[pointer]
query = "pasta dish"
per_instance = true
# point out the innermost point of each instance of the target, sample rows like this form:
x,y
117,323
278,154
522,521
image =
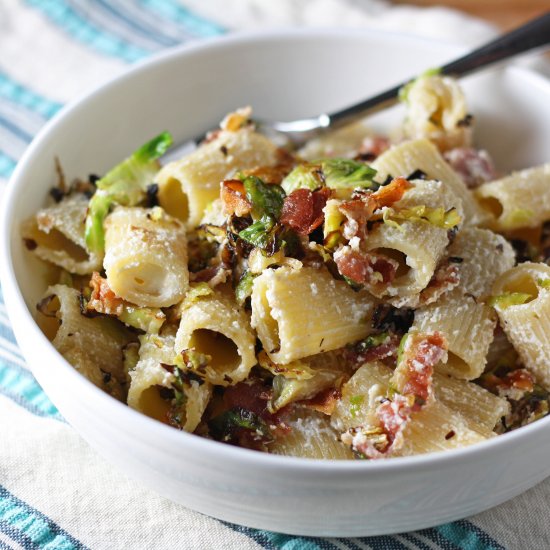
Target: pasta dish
x,y
364,297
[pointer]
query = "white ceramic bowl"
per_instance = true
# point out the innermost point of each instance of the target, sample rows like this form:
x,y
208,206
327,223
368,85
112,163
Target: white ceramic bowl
x,y
283,75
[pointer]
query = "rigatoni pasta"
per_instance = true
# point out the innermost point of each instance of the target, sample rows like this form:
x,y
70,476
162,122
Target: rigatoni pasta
x,y
146,257
342,302
93,345
468,327
518,200
422,155
522,301
213,325
162,391
56,234
188,186
302,312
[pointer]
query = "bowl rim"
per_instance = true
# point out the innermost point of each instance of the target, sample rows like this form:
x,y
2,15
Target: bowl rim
x,y
153,432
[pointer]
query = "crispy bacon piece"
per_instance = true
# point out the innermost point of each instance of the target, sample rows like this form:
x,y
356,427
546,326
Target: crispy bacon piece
x,y
325,401
250,396
521,379
365,267
372,147
103,299
413,381
234,199
253,396
391,193
303,209
393,416
446,277
385,352
421,353
475,166
358,211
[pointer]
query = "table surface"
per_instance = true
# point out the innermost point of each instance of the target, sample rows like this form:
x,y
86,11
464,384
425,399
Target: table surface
x,y
506,14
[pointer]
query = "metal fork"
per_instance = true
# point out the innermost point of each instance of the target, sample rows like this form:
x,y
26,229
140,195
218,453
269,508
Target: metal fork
x,y
533,34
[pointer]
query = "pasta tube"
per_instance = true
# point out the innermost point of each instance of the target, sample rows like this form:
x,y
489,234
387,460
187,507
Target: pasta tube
x,y
302,312
188,185
160,390
417,247
481,409
519,200
93,345
310,436
406,158
56,234
434,428
214,327
482,256
146,256
468,326
522,300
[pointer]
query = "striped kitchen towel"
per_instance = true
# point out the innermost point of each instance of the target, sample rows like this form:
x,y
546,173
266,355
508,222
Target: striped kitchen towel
x,y
55,492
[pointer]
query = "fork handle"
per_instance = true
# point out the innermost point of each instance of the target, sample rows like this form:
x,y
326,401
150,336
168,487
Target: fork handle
x,y
532,35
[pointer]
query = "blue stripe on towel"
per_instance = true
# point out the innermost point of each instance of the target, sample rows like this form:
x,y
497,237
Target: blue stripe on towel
x,y
176,12
24,523
5,330
78,27
15,535
467,536
417,542
7,165
15,130
22,95
125,13
20,386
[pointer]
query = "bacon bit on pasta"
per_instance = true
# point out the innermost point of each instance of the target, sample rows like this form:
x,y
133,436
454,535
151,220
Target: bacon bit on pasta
x,y
446,277
393,416
234,199
303,209
475,166
517,379
213,275
358,211
385,351
421,352
391,193
324,402
103,299
250,396
253,396
372,147
521,379
365,267
413,381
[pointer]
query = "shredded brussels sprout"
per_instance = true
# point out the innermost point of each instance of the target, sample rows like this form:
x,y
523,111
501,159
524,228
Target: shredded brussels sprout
x,y
125,184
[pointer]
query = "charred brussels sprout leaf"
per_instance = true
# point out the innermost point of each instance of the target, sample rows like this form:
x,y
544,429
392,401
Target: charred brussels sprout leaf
x,y
347,173
244,287
125,184
224,426
263,234
266,200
